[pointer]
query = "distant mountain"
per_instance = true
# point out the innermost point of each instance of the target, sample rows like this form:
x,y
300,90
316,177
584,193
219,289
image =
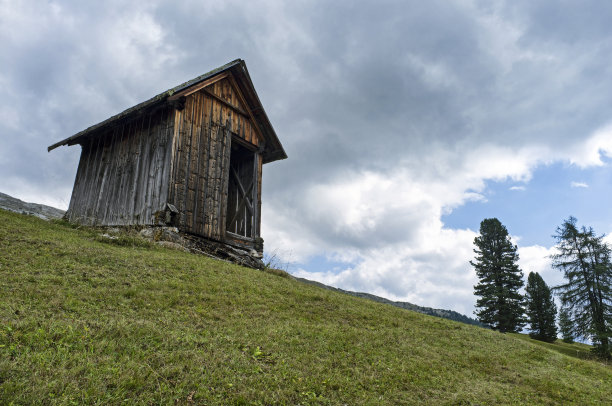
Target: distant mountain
x,y
446,314
34,209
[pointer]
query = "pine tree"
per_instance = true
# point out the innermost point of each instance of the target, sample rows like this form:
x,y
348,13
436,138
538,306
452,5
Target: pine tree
x,y
584,259
540,308
500,303
565,325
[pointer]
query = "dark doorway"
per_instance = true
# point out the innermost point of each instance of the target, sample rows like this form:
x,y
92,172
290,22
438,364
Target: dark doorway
x,y
241,201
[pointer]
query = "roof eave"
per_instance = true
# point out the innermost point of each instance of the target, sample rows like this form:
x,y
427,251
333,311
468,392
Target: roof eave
x,y
156,101
273,150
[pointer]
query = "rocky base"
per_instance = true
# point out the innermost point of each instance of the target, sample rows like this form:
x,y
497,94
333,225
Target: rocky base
x,y
166,236
249,258
171,237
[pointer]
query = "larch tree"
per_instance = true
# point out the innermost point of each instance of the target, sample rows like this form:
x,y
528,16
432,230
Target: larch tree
x,y
500,305
540,309
584,259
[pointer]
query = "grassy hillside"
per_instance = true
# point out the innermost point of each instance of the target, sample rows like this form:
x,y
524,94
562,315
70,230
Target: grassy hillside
x,y
447,314
86,320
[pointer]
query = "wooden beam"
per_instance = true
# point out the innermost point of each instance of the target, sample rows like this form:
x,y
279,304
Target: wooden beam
x,y
225,102
199,86
244,143
242,190
243,101
241,205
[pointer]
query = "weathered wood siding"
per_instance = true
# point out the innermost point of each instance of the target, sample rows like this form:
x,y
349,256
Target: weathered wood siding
x,y
229,110
201,156
123,173
259,163
129,172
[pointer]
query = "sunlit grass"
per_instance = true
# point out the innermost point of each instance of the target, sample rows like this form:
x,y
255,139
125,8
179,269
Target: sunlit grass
x,y
85,320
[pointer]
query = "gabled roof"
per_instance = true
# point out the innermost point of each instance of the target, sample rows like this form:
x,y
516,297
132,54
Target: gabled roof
x,y
273,149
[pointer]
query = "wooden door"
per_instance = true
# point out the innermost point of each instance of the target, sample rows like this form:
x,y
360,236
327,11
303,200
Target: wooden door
x,y
242,192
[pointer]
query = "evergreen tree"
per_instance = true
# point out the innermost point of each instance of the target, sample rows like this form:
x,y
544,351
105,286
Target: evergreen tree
x,y
500,303
540,308
585,261
565,325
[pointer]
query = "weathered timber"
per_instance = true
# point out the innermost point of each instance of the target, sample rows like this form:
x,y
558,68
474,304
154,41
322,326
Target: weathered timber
x,y
191,156
259,177
123,175
114,164
226,103
205,170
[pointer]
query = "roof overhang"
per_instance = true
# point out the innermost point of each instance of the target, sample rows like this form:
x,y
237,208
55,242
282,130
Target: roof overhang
x,y
273,149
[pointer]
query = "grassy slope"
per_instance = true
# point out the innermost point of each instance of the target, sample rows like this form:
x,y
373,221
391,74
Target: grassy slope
x,y
86,321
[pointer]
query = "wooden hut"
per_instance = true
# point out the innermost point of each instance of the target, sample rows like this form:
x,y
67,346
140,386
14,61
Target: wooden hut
x,y
190,157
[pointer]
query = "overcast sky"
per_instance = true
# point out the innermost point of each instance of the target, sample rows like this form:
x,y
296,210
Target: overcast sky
x,y
406,122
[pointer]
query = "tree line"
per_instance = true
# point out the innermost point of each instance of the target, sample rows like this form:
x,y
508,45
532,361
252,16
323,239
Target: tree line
x,y
585,296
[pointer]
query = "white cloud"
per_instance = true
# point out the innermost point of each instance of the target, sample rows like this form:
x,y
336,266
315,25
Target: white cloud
x,y
579,185
590,151
388,226
536,258
519,188
369,209
434,272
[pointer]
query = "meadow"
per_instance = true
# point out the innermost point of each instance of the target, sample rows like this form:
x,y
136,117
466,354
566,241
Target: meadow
x,y
90,320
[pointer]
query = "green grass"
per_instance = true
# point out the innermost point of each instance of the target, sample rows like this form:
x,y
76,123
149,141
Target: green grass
x,y
576,350
85,320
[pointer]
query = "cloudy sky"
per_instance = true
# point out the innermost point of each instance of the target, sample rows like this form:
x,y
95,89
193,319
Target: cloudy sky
x,y
406,122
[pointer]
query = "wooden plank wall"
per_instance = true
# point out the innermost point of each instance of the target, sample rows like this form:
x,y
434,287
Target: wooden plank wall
x,y
123,173
200,163
231,107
